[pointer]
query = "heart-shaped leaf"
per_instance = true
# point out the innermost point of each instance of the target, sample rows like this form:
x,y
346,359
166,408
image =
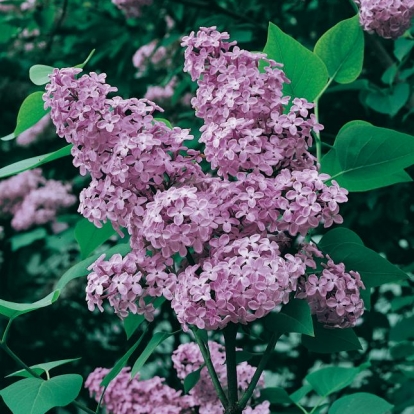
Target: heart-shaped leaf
x,y
36,396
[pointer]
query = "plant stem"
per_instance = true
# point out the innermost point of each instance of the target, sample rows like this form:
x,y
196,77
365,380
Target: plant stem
x,y
213,374
12,355
259,370
230,333
318,141
6,331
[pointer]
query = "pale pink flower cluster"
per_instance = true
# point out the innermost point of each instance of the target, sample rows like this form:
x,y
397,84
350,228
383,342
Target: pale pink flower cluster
x,y
187,358
134,396
388,18
38,131
333,294
131,8
245,127
231,229
161,94
33,200
126,396
241,282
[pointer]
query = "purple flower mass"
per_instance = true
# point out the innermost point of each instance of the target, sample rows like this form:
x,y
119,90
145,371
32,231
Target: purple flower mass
x,y
219,245
125,395
388,18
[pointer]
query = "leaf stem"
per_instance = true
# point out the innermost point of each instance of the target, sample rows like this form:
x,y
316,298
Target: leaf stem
x,y
259,370
230,333
318,141
6,331
213,374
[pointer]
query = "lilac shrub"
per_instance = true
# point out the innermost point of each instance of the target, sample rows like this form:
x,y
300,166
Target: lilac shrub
x,y
33,200
219,245
125,395
388,18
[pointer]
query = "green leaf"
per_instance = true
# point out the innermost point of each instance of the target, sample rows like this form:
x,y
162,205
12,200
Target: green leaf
x,y
132,322
341,48
12,310
341,245
294,317
31,111
8,137
275,395
157,339
36,396
34,162
331,340
360,403
191,379
403,329
328,380
39,74
82,65
120,363
365,157
388,76
242,356
81,269
41,368
400,302
164,121
300,393
89,237
25,239
306,71
389,101
402,47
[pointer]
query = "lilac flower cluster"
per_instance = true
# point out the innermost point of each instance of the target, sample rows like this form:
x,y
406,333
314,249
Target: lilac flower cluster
x,y
152,53
33,200
245,128
333,295
125,395
388,18
232,228
187,358
131,8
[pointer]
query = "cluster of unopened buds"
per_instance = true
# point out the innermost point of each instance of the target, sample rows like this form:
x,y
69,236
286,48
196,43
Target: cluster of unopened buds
x,y
125,395
220,245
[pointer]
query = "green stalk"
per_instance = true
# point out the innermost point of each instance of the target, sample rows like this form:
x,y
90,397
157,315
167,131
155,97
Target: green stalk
x,y
213,374
230,333
259,370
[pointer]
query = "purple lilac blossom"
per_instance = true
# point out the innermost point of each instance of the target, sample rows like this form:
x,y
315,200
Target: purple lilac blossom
x,y
232,227
33,200
125,395
131,8
388,18
333,294
245,128
187,358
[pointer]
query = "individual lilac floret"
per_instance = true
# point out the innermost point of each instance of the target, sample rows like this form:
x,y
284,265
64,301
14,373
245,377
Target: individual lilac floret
x,y
127,282
187,358
333,295
245,127
131,8
241,282
33,200
126,396
388,18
